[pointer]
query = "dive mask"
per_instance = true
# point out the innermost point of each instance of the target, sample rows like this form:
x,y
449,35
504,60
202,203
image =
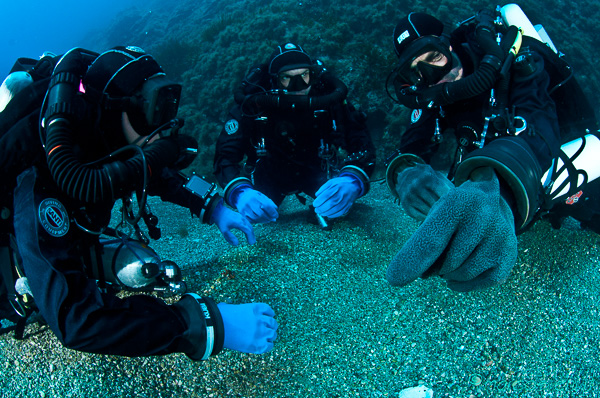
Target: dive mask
x,y
158,100
135,84
423,73
296,82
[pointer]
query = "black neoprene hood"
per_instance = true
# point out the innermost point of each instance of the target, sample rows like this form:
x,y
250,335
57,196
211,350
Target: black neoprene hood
x,y
288,56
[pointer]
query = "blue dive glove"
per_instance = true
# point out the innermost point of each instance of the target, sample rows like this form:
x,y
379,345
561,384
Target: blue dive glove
x,y
227,219
254,205
337,195
249,328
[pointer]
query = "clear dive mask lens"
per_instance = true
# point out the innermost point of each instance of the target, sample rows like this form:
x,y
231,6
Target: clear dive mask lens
x,y
161,100
158,100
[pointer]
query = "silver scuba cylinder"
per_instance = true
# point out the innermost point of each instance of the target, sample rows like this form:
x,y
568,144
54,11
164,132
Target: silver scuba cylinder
x,y
132,265
513,15
582,154
13,83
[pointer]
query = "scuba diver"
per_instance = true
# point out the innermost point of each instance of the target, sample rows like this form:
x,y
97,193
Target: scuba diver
x,y
499,137
298,134
83,131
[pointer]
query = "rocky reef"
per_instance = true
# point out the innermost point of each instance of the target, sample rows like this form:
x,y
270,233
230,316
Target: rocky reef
x,y
209,45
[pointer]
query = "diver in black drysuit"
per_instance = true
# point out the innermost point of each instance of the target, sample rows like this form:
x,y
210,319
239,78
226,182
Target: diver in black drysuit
x,y
94,108
298,138
507,133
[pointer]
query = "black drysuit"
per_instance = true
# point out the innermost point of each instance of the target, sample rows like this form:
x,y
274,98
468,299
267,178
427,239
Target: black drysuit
x,y
528,97
295,142
56,256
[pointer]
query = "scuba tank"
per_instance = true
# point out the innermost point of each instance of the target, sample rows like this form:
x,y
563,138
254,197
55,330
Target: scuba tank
x,y
512,14
574,111
132,265
577,162
14,82
575,166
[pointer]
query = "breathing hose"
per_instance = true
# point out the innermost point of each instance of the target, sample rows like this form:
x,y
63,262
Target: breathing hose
x,y
90,183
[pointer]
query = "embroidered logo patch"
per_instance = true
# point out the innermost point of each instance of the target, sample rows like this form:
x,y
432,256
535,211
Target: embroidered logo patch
x,y
231,126
405,35
53,217
416,115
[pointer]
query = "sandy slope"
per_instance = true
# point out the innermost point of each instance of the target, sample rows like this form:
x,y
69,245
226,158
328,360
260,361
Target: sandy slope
x,y
344,331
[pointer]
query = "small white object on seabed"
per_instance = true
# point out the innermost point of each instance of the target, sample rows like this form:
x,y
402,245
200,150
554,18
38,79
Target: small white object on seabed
x,y
416,392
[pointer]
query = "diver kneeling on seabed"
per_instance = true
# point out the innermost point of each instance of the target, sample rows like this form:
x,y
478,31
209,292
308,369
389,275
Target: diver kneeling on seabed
x,y
293,131
519,133
83,131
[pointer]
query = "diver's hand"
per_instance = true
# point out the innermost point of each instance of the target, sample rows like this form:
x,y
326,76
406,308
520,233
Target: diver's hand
x,y
253,204
424,97
337,195
227,219
249,328
419,187
468,238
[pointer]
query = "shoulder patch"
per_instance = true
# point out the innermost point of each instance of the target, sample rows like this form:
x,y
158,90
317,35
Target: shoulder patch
x,y
232,126
53,217
416,115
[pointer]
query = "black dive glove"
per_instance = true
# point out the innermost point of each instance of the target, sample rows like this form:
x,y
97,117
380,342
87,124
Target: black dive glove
x,y
468,238
419,187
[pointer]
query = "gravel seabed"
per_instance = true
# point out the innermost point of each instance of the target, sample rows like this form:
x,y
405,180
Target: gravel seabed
x,y
344,332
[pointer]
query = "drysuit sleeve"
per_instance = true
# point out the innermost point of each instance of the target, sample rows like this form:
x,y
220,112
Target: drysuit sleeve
x,y
170,188
520,160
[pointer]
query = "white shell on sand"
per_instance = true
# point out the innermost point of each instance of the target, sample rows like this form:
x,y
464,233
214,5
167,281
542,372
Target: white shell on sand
x,y
416,392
